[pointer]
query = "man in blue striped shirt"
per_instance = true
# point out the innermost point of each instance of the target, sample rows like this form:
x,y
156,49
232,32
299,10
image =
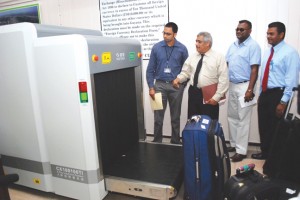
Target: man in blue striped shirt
x,y
282,77
166,60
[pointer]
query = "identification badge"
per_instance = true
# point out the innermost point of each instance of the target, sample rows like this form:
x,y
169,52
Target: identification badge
x,y
167,70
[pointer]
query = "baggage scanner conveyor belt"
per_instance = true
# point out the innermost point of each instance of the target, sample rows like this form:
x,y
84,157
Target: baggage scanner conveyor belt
x,y
148,170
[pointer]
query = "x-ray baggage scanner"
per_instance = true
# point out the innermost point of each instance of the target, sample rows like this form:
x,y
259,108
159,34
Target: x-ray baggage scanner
x,y
72,119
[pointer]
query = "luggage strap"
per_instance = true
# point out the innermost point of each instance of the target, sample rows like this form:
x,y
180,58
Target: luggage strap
x,y
212,155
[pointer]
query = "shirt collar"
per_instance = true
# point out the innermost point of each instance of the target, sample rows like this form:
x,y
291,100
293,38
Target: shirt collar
x,y
279,45
164,44
243,43
207,53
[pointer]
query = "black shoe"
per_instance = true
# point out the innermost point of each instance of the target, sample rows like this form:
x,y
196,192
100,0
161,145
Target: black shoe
x,y
172,142
237,157
157,141
258,156
231,149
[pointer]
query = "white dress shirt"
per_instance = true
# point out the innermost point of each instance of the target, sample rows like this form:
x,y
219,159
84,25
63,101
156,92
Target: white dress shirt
x,y
214,70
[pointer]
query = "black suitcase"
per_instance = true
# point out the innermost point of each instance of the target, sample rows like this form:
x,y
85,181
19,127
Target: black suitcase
x,y
284,159
248,184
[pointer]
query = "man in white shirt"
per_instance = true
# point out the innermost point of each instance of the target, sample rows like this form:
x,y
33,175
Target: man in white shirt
x,y
212,69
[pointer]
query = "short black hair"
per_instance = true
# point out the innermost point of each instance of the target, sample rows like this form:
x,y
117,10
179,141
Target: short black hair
x,y
173,26
247,22
280,27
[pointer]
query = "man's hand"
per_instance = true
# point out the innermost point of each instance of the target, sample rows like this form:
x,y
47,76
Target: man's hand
x,y
211,102
280,110
176,83
249,95
152,93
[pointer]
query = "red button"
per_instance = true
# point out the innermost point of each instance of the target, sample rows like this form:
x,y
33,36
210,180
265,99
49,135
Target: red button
x,y
95,58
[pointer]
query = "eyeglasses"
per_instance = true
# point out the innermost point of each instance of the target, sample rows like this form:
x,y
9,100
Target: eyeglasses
x,y
168,34
240,29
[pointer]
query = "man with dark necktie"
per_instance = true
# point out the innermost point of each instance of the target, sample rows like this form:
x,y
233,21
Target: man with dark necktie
x,y
204,68
279,75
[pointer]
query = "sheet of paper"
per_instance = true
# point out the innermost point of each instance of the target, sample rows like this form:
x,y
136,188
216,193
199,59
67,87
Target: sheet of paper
x,y
157,103
245,104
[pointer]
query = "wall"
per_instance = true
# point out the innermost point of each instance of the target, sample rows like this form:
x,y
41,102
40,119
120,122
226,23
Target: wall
x,y
218,17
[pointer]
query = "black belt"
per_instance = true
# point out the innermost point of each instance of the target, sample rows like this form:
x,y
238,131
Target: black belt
x,y
239,82
275,89
164,81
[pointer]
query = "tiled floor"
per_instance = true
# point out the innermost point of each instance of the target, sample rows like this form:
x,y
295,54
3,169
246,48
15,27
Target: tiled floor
x,y
23,193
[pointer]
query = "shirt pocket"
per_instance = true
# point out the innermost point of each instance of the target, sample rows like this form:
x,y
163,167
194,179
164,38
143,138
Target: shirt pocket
x,y
210,70
276,65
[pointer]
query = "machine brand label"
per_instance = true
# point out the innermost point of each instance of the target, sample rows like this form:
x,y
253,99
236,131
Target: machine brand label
x,y
69,173
106,57
120,56
77,175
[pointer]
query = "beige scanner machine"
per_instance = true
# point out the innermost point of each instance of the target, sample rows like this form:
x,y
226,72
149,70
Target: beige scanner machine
x,y
72,119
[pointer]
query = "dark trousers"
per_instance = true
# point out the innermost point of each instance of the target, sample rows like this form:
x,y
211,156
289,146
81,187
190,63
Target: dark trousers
x,y
196,106
267,120
174,98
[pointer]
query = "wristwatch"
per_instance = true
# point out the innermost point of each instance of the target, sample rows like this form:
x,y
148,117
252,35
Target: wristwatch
x,y
283,103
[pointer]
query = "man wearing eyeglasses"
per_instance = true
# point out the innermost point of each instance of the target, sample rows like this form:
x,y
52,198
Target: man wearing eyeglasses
x,y
243,58
166,60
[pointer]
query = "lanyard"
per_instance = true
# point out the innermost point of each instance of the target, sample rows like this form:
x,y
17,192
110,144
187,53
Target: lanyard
x,y
169,55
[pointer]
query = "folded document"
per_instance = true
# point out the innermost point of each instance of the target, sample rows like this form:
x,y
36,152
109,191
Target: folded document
x,y
245,104
157,103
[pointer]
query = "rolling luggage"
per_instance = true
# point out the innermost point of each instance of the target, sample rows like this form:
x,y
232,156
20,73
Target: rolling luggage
x,y
206,160
284,159
248,184
298,102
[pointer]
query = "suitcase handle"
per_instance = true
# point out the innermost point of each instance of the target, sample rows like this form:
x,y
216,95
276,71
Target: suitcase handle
x,y
290,103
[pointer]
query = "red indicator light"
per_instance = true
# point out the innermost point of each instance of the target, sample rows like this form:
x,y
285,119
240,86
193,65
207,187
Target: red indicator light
x,y
95,58
82,87
139,55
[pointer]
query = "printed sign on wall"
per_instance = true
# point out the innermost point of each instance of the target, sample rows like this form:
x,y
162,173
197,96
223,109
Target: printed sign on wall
x,y
136,19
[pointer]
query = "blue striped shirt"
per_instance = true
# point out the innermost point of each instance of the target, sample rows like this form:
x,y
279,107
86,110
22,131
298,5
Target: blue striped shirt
x,y
284,69
162,56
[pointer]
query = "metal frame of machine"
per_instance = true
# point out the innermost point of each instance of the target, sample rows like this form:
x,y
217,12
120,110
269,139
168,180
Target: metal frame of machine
x,y
51,130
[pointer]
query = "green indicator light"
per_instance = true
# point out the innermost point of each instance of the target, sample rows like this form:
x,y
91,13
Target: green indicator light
x,y
83,97
131,55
